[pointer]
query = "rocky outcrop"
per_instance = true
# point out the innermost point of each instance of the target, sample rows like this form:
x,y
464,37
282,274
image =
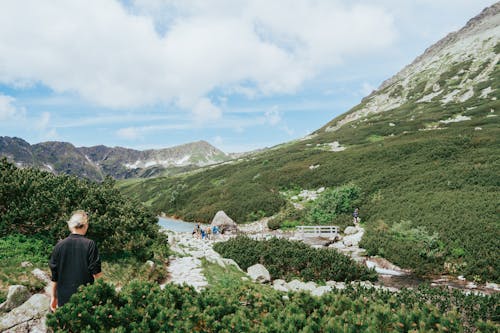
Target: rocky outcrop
x,y
29,317
16,296
224,222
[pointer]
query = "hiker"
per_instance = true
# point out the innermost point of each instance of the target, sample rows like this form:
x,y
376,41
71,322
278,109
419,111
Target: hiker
x,y
208,233
74,261
215,231
356,216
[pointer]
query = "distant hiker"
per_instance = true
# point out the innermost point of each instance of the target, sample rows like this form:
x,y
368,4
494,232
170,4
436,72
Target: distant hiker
x,y
74,261
208,233
356,216
202,233
215,231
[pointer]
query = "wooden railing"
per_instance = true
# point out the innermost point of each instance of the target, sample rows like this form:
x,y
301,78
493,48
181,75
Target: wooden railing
x,y
324,231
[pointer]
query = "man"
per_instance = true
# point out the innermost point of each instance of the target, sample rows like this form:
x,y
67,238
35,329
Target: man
x,y
74,261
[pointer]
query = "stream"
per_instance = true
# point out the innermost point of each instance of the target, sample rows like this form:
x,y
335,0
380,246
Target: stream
x,y
389,275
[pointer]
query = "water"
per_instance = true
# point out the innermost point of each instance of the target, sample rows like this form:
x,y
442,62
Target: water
x,y
176,225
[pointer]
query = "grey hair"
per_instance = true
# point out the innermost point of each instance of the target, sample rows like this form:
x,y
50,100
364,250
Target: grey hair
x,y
78,219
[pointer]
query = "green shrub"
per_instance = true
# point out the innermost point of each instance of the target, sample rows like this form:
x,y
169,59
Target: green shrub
x,y
287,260
331,203
144,307
34,202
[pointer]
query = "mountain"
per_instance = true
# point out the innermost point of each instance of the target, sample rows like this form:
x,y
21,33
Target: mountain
x,y
422,150
98,161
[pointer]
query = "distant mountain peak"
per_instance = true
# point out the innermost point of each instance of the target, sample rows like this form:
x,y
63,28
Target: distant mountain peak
x,y
97,161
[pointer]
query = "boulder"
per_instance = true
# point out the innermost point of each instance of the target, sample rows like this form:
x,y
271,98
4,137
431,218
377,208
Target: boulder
x,y
350,230
259,273
296,285
16,296
41,275
29,317
280,287
321,290
347,242
26,264
224,222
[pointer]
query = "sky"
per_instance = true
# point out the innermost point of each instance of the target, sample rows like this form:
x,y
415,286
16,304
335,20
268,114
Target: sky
x,y
241,75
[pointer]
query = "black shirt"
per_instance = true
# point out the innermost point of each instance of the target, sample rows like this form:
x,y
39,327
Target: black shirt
x,y
73,263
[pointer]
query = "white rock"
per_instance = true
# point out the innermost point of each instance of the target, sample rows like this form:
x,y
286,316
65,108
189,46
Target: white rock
x,y
280,288
224,222
41,275
231,262
461,278
310,286
285,298
492,285
296,285
320,291
350,230
26,264
30,314
16,296
471,285
259,273
347,242
279,282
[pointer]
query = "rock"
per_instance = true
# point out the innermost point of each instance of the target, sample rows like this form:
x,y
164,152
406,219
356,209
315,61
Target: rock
x,y
26,264
461,278
244,278
310,286
347,242
16,296
285,298
350,230
29,317
259,273
41,275
151,264
320,291
336,285
281,288
295,285
224,222
471,285
279,282
492,285
231,262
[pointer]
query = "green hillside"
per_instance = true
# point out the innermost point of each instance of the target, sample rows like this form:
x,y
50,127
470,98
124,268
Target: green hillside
x,y
423,150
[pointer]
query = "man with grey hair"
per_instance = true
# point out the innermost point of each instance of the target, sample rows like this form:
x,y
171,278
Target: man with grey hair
x,y
74,261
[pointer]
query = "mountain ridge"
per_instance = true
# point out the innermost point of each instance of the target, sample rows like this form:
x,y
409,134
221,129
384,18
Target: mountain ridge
x,y
96,162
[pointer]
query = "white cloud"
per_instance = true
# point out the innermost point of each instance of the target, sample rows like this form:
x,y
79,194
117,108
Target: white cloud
x,y
273,116
204,111
129,133
180,51
8,110
367,89
45,130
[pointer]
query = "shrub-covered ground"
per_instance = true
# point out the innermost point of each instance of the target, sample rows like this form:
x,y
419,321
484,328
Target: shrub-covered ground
x,y
34,208
443,182
287,260
144,307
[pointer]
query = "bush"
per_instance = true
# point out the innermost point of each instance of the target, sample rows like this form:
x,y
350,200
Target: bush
x,y
144,307
331,203
34,202
287,260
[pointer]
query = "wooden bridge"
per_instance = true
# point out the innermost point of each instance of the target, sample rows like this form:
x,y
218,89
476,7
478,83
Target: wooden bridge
x,y
320,231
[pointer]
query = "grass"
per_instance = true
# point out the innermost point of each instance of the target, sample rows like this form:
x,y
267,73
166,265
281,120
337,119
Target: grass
x,y
218,276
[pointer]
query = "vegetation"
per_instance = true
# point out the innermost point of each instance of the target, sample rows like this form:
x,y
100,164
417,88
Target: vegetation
x,y
34,208
287,260
443,180
144,307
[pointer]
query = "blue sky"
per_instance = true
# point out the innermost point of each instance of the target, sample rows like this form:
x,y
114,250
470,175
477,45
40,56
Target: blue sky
x,y
239,74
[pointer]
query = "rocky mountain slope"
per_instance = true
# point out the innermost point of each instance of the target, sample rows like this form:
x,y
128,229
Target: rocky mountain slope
x,y
98,161
423,149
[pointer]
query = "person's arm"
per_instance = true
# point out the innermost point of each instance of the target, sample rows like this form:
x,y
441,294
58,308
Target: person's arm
x,y
98,275
94,261
53,296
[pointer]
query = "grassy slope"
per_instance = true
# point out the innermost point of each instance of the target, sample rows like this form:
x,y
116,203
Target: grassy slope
x,y
445,180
